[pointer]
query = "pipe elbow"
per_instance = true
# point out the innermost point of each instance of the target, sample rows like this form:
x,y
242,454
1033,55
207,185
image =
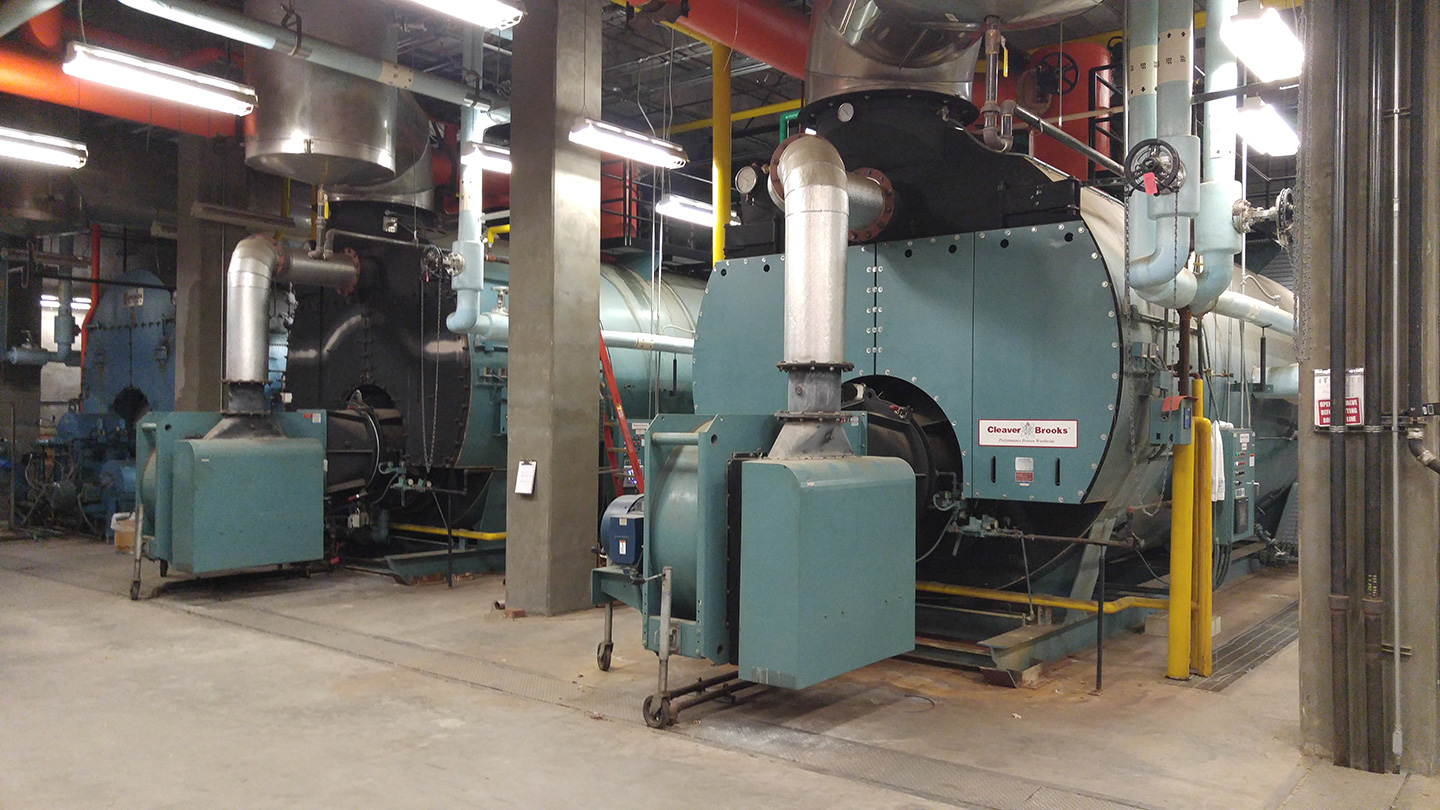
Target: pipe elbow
x,y
462,320
255,256
1416,443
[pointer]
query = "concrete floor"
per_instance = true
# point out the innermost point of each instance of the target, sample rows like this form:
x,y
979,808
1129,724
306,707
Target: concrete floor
x,y
347,690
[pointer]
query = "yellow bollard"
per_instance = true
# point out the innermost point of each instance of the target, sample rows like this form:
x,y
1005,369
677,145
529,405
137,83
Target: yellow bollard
x,y
1182,548
1203,580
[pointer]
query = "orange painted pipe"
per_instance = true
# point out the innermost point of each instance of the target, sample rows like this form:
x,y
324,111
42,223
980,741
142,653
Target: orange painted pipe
x,y
761,29
23,75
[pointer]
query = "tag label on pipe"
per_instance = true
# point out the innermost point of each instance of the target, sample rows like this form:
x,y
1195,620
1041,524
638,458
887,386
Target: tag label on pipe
x,y
1028,433
1354,397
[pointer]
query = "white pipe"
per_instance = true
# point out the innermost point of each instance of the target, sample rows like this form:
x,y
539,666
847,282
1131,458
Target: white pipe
x,y
648,342
1161,60
1216,239
469,283
1254,311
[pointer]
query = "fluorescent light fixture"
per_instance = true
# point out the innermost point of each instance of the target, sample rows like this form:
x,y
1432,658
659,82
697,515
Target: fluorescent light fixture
x,y
685,209
628,143
492,14
1263,129
21,145
158,79
78,305
210,21
486,156
1261,39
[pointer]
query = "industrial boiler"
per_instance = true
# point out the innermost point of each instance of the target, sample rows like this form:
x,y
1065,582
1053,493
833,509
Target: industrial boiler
x,y
85,473
362,420
985,391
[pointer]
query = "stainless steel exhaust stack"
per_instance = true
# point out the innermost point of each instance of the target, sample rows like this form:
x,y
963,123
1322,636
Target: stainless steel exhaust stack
x,y
814,185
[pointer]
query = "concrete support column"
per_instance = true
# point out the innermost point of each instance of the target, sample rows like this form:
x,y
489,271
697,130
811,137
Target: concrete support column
x,y
1415,590
211,171
554,415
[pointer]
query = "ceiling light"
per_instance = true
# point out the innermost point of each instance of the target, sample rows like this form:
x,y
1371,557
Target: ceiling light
x,y
204,22
158,79
1261,39
486,156
492,14
1263,129
697,212
23,145
628,144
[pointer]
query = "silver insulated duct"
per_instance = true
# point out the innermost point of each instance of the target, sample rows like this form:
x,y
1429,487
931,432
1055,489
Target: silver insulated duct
x,y
912,44
814,186
322,126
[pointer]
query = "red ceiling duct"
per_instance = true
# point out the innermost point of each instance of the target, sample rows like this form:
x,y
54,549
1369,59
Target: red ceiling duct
x,y
761,29
24,75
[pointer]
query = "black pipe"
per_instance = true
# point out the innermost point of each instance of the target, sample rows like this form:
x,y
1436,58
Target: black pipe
x,y
1339,573
1371,607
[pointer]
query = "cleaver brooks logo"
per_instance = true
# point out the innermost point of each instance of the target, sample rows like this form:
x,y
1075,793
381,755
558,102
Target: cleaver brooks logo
x,y
1029,433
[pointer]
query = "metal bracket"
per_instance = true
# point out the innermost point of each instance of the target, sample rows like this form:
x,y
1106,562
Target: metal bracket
x,y
1389,649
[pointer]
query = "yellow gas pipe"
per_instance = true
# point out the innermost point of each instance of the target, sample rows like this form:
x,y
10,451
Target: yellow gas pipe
x,y
720,145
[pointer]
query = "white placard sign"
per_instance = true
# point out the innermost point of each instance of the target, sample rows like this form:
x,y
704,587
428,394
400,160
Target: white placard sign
x,y
1028,433
525,478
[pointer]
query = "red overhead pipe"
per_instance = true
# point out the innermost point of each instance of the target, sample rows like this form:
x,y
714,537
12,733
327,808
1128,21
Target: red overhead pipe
x,y
47,30
761,29
24,75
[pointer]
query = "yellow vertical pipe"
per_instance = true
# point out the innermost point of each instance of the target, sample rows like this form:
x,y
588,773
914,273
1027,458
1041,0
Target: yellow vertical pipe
x,y
720,129
1201,642
1182,548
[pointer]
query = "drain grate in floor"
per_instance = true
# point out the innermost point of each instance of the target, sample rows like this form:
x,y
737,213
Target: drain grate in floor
x,y
1251,648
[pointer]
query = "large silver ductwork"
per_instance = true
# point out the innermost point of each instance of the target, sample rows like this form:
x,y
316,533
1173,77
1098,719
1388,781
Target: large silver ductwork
x,y
323,126
864,45
255,265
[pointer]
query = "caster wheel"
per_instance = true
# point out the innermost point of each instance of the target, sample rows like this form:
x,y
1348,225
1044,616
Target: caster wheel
x,y
657,717
134,591
602,655
164,568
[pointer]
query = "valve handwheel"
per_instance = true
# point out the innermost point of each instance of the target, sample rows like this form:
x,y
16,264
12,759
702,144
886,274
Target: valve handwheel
x,y
1154,167
1057,72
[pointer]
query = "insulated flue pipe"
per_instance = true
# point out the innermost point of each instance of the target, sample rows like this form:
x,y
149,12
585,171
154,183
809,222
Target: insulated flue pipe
x,y
814,185
1161,57
817,216
1216,240
256,263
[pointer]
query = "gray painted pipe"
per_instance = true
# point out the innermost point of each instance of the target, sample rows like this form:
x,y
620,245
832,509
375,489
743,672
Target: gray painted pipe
x,y
237,26
16,13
